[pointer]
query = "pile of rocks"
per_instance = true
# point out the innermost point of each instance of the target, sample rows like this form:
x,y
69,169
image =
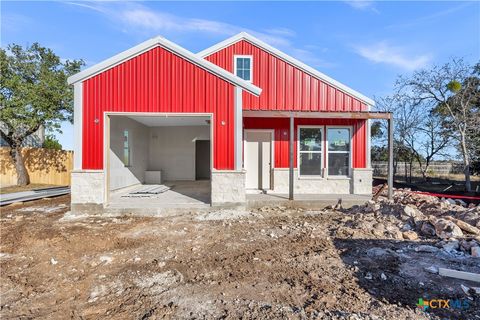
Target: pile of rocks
x,y
412,216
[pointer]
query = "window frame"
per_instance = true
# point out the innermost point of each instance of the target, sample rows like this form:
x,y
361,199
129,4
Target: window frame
x,y
250,57
350,148
129,148
321,152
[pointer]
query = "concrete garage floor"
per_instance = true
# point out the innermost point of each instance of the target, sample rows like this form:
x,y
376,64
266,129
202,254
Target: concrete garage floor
x,y
183,194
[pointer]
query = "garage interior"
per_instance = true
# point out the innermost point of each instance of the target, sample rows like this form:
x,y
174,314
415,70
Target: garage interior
x,y
158,161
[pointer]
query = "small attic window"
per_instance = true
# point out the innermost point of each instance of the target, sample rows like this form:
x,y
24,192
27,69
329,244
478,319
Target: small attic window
x,y
243,67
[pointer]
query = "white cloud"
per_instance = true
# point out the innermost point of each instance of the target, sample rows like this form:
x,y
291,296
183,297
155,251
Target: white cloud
x,y
12,22
382,52
362,5
135,17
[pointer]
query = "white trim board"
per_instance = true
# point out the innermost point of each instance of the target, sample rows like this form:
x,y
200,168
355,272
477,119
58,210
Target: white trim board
x,y
172,47
317,74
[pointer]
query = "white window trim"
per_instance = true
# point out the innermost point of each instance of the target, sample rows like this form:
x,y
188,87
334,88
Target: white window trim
x,y
251,65
327,152
322,152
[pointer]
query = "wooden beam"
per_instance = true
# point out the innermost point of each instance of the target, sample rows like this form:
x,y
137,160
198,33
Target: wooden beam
x,y
390,158
469,276
325,115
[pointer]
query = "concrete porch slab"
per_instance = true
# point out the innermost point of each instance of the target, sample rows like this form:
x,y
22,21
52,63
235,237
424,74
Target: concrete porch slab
x,y
307,201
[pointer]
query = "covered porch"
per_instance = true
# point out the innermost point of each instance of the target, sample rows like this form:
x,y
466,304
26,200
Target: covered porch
x,y
317,157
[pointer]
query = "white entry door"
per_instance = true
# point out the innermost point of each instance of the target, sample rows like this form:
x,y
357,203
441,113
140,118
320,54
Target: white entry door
x,y
258,159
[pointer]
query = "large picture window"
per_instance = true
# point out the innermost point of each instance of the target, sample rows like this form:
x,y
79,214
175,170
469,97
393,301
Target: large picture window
x,y
338,140
310,151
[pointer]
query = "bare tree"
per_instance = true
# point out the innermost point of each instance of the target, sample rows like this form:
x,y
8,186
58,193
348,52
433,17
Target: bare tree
x,y
418,135
426,139
453,89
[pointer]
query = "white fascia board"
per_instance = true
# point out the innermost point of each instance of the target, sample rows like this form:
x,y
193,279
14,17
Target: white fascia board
x,y
77,125
315,73
172,47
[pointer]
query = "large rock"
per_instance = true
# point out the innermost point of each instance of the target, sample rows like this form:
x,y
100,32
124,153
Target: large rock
x,y
465,226
412,212
410,235
446,229
427,229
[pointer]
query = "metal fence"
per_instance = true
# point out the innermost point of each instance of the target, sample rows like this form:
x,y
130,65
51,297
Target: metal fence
x,y
434,169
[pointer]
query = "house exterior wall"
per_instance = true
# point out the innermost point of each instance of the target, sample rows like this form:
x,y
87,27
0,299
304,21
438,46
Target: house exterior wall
x,y
281,127
284,86
157,81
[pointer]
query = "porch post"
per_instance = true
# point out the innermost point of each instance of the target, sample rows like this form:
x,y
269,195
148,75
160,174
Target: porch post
x,y
238,136
390,157
290,149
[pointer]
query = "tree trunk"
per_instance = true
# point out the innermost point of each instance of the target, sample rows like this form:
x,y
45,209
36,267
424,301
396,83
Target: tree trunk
x,y
466,163
23,178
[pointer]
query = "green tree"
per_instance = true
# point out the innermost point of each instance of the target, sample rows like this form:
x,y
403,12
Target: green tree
x,y
51,143
33,92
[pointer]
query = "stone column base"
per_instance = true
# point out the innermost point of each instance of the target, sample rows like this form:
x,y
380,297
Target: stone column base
x,y
87,187
228,188
362,181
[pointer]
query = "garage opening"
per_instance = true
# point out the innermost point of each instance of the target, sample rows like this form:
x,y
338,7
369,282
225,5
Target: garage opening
x,y
158,161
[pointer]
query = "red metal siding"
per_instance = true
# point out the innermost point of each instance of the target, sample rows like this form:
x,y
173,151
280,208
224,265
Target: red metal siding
x,y
282,134
158,81
284,87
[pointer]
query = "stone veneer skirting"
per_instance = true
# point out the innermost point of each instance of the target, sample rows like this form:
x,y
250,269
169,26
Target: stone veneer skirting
x,y
87,187
359,183
228,187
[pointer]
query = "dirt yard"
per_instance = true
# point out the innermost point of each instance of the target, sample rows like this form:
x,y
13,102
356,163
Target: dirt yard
x,y
269,263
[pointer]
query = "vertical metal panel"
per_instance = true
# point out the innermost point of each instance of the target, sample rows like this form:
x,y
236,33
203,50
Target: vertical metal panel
x,y
284,87
157,81
282,132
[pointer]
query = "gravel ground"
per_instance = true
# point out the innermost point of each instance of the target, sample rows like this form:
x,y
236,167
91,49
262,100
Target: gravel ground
x,y
269,263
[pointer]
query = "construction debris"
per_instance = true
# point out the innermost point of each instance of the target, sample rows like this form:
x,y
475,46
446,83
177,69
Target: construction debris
x,y
459,274
411,216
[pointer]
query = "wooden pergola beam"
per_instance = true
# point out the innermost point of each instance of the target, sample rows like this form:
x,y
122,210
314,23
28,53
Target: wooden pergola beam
x,y
325,115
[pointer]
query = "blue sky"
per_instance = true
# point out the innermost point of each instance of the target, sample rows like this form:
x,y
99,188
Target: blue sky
x,y
363,44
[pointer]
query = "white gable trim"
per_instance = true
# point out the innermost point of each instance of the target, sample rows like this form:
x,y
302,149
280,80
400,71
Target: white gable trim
x,y
172,47
315,73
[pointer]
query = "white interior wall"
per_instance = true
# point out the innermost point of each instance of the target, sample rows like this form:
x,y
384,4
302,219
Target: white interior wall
x,y
172,150
121,176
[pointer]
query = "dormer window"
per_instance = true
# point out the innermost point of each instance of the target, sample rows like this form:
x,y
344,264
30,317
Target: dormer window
x,y
243,67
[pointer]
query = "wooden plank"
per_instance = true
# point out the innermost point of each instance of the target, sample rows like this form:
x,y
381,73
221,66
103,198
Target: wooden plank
x,y
390,159
323,115
459,274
